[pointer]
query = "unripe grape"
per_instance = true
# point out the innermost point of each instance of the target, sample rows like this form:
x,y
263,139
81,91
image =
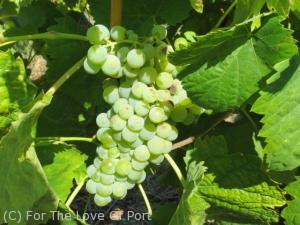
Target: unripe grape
x,y
119,190
130,72
138,89
91,68
163,95
103,190
107,179
123,167
97,34
149,95
118,33
164,80
109,82
156,145
179,114
148,132
102,201
91,186
157,115
106,139
138,142
138,165
163,130
124,146
157,159
117,123
135,123
141,108
174,134
126,111
125,89
166,66
114,152
190,36
119,103
132,35
148,75
111,66
136,58
142,153
111,94
108,166
122,54
97,54
135,175
97,163
102,152
128,135
189,119
181,43
159,32
132,100
91,170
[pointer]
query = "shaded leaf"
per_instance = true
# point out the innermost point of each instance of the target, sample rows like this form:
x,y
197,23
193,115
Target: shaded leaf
x,y
294,188
281,6
291,213
197,5
279,103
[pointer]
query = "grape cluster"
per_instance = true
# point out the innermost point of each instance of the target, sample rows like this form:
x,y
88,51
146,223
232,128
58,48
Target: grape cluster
x,y
144,93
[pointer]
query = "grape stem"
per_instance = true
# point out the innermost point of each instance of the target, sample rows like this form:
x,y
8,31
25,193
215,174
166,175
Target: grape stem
x,y
65,77
175,168
65,139
184,142
75,192
115,12
74,215
51,35
223,17
247,115
146,200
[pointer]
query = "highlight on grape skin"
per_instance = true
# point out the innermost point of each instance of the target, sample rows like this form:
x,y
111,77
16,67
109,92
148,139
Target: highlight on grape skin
x,y
146,102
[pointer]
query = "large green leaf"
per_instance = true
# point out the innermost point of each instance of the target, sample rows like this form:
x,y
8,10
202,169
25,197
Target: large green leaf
x,y
279,103
227,80
291,213
68,164
23,183
282,7
295,7
235,186
191,208
15,92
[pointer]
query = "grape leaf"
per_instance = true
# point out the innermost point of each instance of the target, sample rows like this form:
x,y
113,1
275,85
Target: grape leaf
x,y
231,181
279,103
15,92
197,5
294,188
227,80
295,7
281,6
68,164
191,208
291,213
23,184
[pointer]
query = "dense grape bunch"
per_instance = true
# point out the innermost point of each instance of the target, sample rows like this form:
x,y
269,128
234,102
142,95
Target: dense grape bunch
x,y
146,103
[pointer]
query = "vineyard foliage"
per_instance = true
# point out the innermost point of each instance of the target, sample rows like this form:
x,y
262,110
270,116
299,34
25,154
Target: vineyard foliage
x,y
240,64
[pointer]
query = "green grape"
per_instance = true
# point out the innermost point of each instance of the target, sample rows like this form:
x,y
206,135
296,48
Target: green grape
x,y
141,108
107,179
102,152
125,89
132,35
130,72
167,107
122,54
101,131
109,113
189,119
135,123
148,75
159,32
108,166
109,82
118,33
164,80
143,178
149,95
157,159
148,132
164,130
195,109
91,68
157,115
138,142
117,136
135,175
117,123
102,201
138,89
149,51
156,145
91,170
137,165
163,95
166,66
91,186
136,58
119,103
181,43
174,134
126,111
125,156
128,135
176,87
112,66
161,51
111,94
103,190
168,147
102,120
123,167
120,178
141,153
124,146
97,54
97,162
113,152
106,139
129,184
179,114
97,34
119,190
96,177
132,100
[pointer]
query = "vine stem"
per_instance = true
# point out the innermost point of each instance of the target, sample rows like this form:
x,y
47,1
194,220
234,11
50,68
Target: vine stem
x,y
65,139
51,35
146,200
65,77
75,216
175,168
223,17
75,192
247,115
